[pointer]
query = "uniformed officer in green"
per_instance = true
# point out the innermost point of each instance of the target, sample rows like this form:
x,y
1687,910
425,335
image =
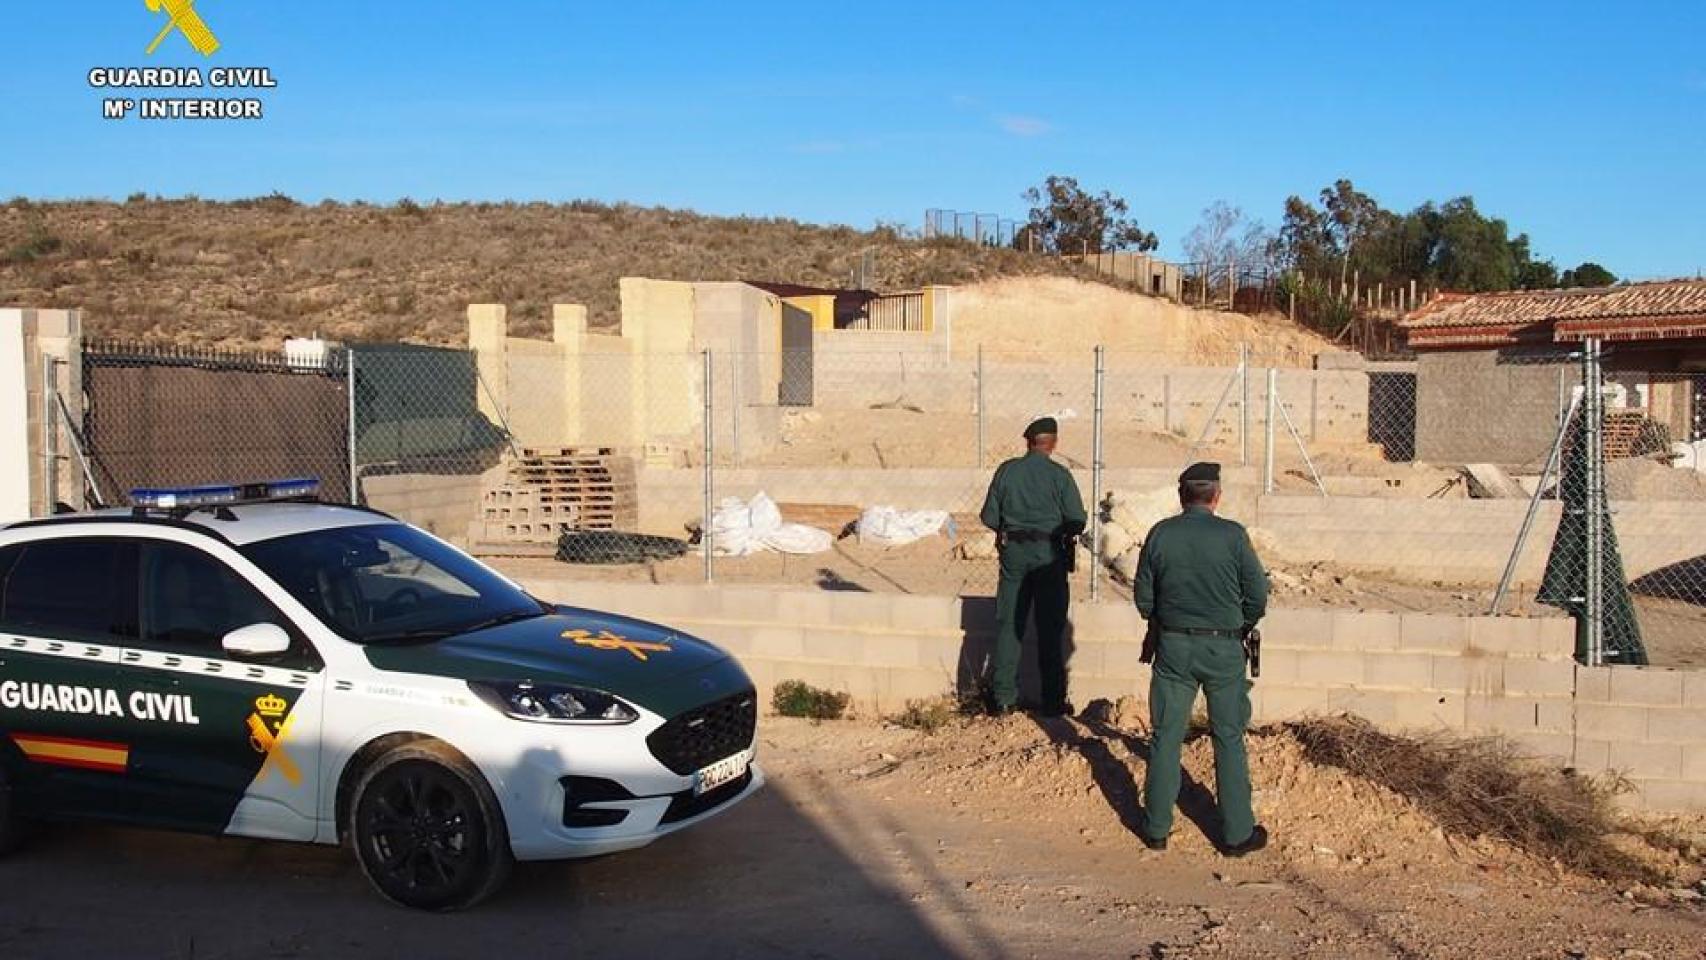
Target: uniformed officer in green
x,y
1037,514
1201,588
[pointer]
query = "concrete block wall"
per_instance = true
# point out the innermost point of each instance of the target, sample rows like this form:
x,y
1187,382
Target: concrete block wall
x,y
38,452
1510,677
443,504
1467,541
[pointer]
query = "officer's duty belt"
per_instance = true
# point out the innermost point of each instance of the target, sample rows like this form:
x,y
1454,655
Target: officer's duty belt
x,y
1029,536
1204,632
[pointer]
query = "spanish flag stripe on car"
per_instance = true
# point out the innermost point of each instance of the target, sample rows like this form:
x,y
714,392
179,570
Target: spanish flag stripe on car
x,y
65,752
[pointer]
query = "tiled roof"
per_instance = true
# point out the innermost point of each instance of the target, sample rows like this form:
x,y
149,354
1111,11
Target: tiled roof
x,y
1519,308
1643,311
1668,299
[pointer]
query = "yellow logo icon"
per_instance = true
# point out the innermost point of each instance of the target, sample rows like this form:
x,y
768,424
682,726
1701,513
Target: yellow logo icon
x,y
182,17
268,727
605,640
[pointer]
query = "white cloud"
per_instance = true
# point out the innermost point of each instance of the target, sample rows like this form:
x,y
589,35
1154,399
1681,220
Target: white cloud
x,y
1023,126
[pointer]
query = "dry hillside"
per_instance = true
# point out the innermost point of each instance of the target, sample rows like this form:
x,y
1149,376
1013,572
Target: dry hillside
x,y
255,271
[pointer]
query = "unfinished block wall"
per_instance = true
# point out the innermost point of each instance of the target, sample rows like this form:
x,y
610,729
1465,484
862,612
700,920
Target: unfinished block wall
x,y
1511,677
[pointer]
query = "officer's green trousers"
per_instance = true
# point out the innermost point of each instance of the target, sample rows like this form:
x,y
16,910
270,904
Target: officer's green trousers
x,y
1032,578
1216,664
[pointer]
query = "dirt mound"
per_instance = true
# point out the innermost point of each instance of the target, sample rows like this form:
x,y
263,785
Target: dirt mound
x,y
1088,771
1019,315
1638,478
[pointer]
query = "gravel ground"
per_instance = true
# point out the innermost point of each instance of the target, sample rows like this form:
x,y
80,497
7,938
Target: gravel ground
x,y
991,839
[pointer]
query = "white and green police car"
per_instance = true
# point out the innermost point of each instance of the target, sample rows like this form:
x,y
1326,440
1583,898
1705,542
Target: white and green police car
x,y
221,661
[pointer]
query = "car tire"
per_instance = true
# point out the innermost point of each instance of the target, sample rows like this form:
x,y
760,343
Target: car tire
x,y
427,829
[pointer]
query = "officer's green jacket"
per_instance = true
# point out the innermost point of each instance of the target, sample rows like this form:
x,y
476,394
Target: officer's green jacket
x,y
1033,492
1198,565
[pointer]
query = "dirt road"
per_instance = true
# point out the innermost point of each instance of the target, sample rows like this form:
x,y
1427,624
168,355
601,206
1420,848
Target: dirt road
x,y
1003,839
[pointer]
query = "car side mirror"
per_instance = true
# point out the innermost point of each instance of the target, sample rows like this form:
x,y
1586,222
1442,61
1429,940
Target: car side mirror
x,y
257,640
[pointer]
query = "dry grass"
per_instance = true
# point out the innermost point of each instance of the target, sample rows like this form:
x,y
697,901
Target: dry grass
x,y
255,271
1484,788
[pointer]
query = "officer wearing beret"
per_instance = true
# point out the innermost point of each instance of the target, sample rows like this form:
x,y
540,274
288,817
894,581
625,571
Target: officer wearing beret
x,y
1037,514
1202,590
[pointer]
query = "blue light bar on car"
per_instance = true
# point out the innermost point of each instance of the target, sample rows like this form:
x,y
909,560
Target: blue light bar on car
x,y
178,498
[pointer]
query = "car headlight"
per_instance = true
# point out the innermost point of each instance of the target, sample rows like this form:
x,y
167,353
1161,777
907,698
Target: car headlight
x,y
552,702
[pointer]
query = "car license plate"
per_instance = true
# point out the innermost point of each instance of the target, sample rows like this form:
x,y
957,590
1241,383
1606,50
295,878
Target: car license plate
x,y
726,770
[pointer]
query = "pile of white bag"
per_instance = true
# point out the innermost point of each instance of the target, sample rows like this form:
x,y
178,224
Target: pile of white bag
x,y
740,528
1127,517
889,527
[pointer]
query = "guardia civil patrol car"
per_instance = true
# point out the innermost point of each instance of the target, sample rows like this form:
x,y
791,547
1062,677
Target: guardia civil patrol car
x,y
240,661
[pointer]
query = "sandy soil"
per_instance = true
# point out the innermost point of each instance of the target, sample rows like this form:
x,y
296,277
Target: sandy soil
x,y
991,839
1003,314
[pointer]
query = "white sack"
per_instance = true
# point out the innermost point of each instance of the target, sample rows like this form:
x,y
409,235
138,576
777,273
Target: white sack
x,y
888,527
740,528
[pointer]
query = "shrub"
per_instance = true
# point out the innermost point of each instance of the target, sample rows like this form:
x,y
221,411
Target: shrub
x,y
928,716
795,698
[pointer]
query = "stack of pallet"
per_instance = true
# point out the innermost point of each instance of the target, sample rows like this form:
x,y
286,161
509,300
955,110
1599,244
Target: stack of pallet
x,y
532,499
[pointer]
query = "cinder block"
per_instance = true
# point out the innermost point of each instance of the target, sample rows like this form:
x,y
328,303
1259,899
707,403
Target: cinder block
x,y
1592,756
1355,630
1676,725
1505,636
1545,746
1404,671
747,604
1375,706
1279,666
804,607
838,646
1324,668
915,684
1593,684
925,614
1106,621
1668,796
1694,688
1694,762
1118,661
888,650
1647,760
1610,721
1415,710
1433,633
869,611
1504,715
1290,703
939,653
775,643
1647,686
1541,678
1297,629
1467,675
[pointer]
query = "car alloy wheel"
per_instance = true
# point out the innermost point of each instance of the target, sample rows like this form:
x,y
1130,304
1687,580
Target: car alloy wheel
x,y
427,831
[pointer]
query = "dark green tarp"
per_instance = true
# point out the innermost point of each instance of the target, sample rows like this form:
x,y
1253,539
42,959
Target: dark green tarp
x,y
1565,583
417,404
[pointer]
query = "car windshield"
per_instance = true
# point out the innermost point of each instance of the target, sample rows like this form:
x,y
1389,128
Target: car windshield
x,y
390,583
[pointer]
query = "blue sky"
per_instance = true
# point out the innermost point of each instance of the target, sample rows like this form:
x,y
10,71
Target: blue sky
x,y
1583,124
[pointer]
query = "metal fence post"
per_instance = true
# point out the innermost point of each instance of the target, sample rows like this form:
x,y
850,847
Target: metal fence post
x,y
1244,404
705,535
1096,482
1594,395
354,467
1268,445
980,408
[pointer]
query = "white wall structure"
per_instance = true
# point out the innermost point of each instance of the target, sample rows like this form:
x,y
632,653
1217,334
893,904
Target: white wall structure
x,y
14,419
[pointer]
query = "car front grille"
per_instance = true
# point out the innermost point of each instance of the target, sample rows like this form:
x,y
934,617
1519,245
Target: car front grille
x,y
706,734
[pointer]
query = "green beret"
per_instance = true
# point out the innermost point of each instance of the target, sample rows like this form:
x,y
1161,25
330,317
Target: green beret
x,y
1201,473
1040,426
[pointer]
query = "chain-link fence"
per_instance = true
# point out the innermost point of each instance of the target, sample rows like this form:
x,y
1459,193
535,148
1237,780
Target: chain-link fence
x,y
1462,482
